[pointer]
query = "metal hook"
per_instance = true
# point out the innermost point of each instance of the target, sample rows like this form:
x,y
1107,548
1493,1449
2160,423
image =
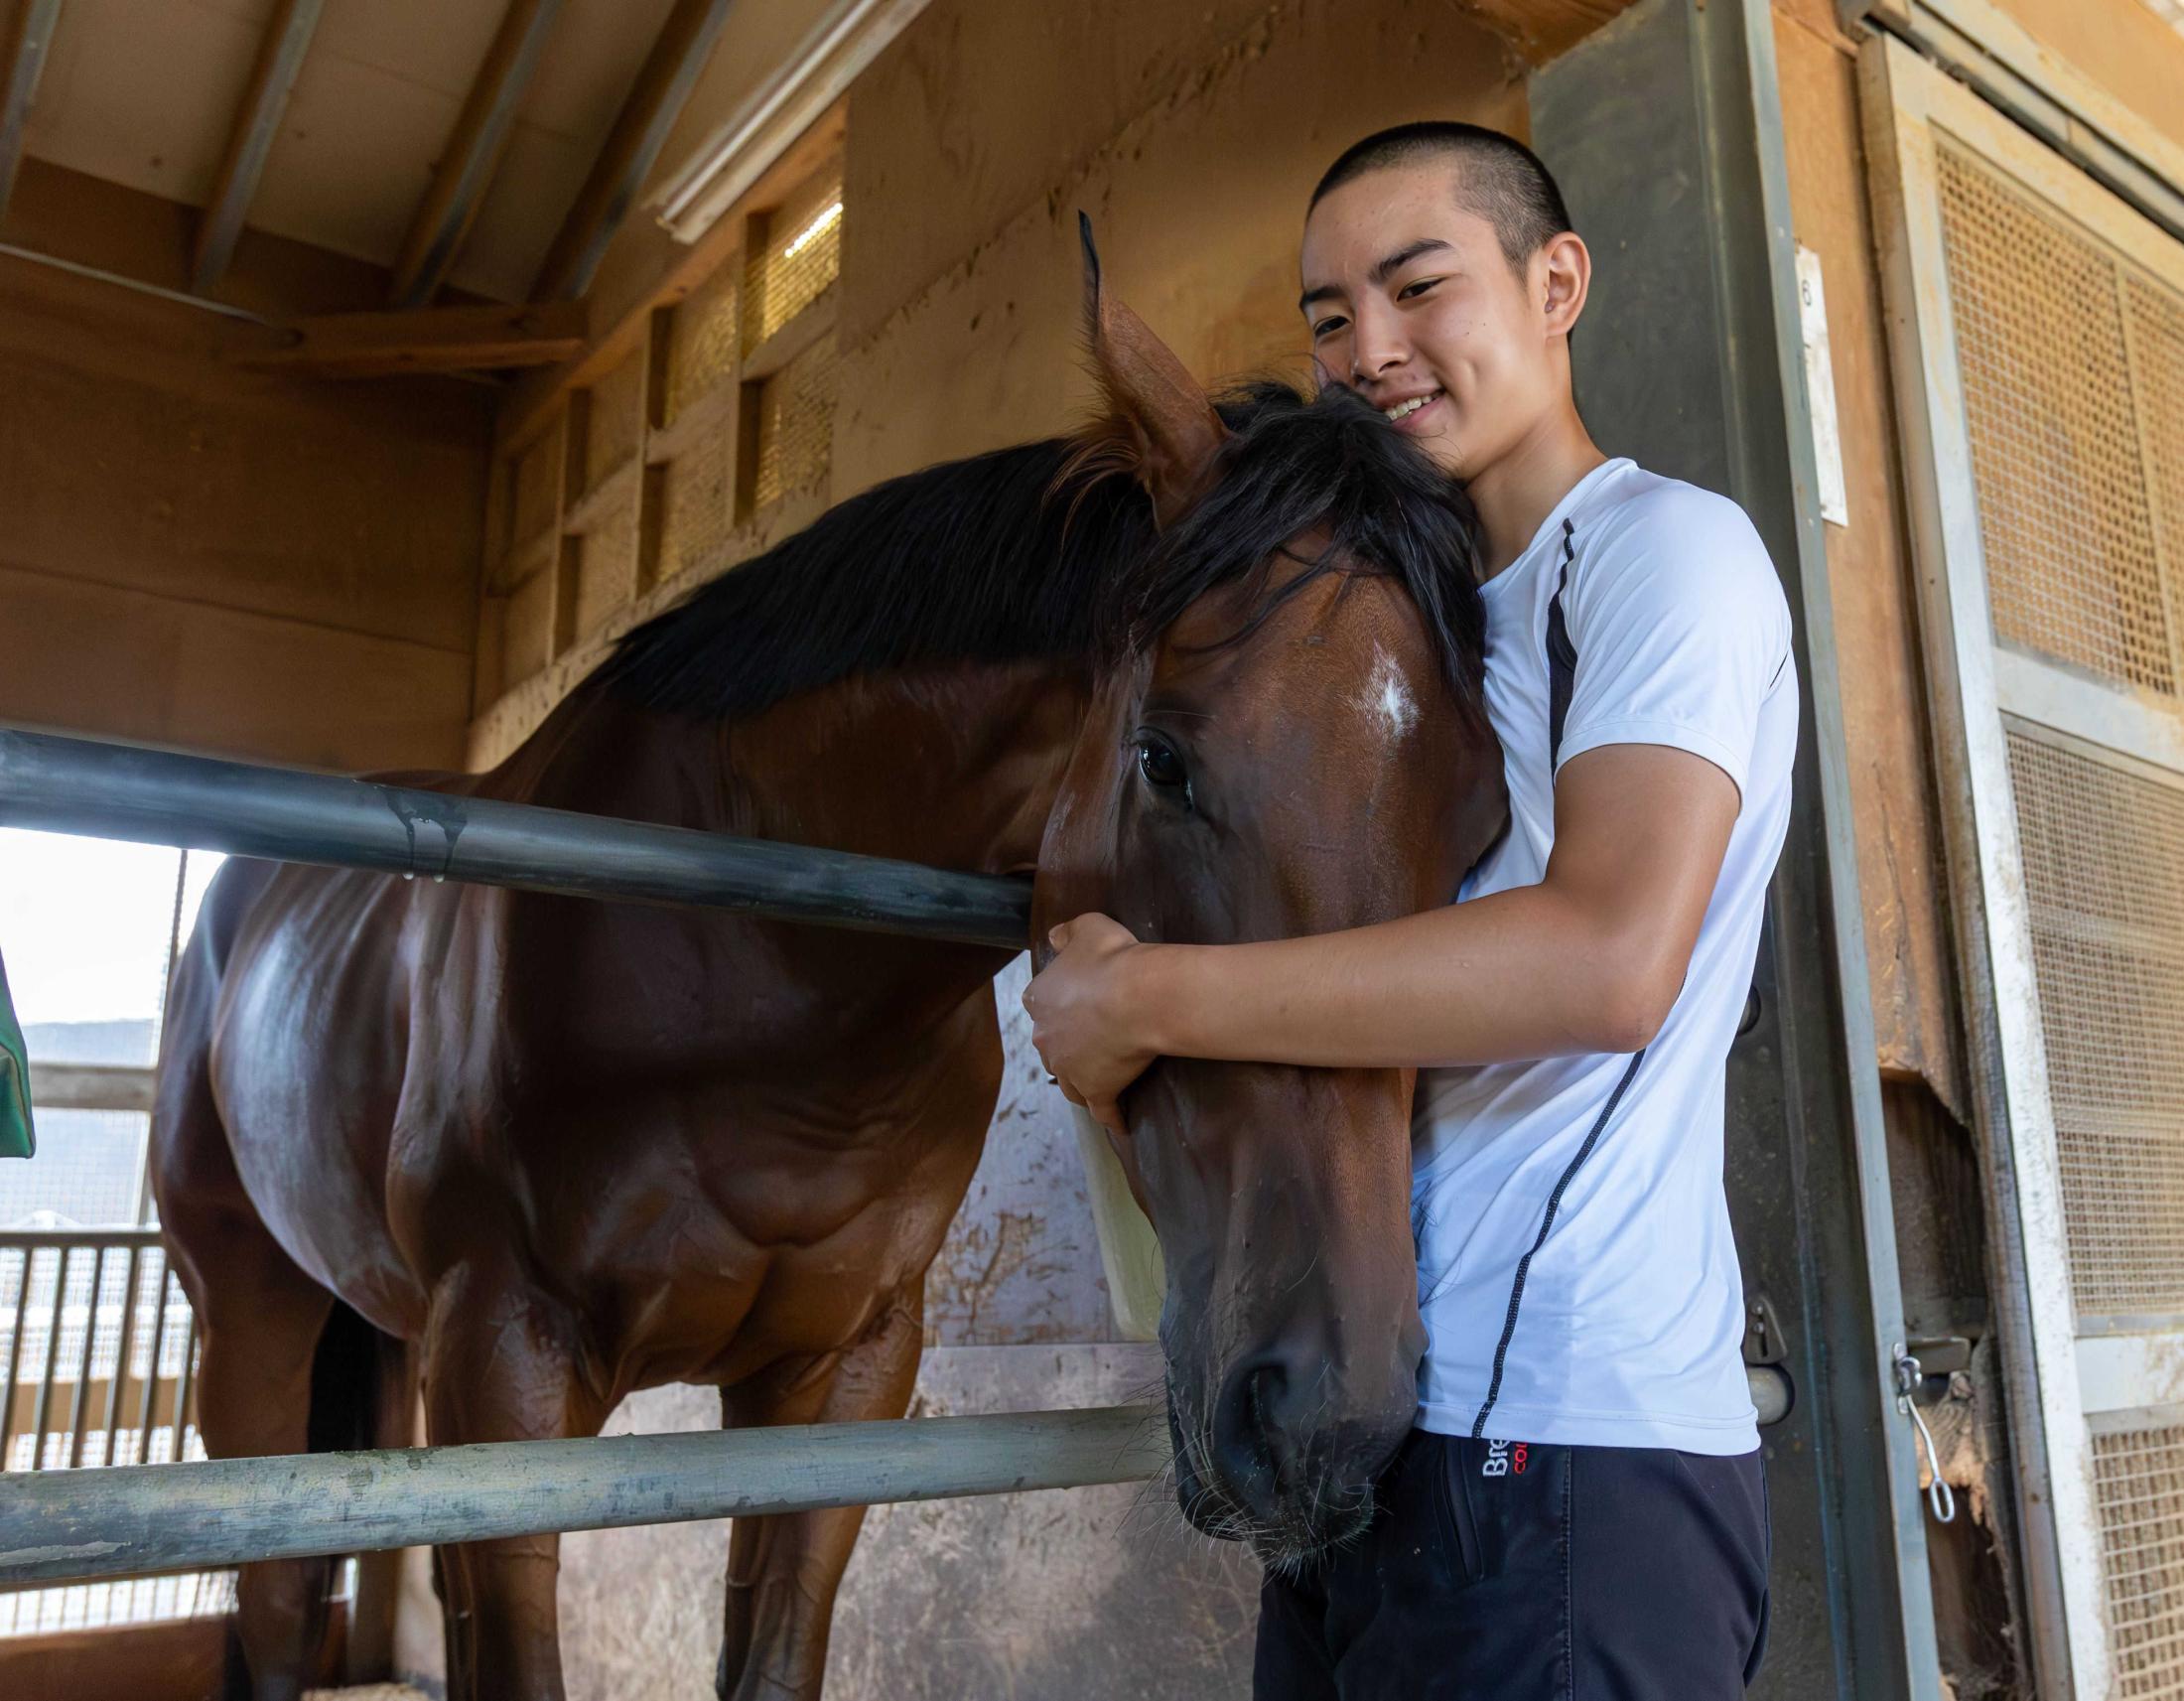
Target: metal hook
x,y
1941,1498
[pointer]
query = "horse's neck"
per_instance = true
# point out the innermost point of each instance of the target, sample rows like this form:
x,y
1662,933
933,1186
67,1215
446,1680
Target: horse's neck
x,y
956,767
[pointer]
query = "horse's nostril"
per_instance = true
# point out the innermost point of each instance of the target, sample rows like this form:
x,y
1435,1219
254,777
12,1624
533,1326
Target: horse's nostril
x,y
1249,1447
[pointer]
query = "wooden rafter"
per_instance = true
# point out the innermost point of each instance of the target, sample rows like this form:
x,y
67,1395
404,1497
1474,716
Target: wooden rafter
x,y
634,145
472,154
426,339
257,122
22,58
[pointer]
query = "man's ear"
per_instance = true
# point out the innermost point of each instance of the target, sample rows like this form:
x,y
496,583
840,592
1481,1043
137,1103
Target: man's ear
x,y
1569,278
1171,428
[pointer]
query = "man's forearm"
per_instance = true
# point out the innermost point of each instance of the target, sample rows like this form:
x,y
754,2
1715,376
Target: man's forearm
x,y
1525,973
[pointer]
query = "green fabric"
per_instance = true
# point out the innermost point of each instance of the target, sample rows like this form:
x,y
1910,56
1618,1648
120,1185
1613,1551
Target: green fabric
x,y
17,1138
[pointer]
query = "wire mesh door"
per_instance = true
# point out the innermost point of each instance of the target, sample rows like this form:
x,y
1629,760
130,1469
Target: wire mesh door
x,y
2038,346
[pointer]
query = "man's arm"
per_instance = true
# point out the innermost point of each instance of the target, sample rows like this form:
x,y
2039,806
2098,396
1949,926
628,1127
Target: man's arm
x,y
1590,959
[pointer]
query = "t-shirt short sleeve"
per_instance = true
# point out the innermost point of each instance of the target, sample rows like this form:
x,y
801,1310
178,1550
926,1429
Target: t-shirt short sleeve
x,y
1680,630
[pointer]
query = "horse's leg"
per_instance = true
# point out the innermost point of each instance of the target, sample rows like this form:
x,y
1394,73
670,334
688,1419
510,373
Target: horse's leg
x,y
259,1327
782,1572
499,1366
259,1324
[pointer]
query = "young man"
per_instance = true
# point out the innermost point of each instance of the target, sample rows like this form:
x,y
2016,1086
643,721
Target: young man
x,y
1581,1512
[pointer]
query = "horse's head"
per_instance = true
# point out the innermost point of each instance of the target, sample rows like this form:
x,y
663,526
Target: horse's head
x,y
1288,737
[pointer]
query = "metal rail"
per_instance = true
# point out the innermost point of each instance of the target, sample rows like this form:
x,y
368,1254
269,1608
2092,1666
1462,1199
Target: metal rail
x,y
90,1087
70,1338
137,1521
85,786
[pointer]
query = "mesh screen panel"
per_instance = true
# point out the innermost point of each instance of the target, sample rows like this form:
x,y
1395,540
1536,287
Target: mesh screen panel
x,y
607,567
612,428
2156,317
796,426
2139,1485
800,258
703,337
698,501
2104,860
2065,521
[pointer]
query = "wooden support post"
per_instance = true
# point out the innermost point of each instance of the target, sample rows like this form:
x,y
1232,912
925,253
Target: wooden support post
x,y
568,562
427,339
658,350
257,122
472,154
657,100
22,61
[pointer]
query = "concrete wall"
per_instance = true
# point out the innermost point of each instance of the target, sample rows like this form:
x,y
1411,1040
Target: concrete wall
x,y
199,556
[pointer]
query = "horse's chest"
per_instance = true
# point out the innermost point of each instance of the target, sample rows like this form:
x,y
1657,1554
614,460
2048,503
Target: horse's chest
x,y
732,1239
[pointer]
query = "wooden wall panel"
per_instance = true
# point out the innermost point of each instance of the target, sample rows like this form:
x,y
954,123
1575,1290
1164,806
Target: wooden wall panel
x,y
1901,875
958,325
2119,44
134,457
259,565
79,656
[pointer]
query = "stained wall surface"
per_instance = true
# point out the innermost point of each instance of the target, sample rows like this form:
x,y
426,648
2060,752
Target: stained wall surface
x,y
1901,873
200,556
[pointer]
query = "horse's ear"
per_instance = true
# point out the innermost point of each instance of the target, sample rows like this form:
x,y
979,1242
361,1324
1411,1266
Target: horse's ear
x,y
1172,430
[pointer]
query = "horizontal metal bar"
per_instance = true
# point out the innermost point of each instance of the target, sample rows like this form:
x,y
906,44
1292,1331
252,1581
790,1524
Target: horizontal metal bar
x,y
90,1087
138,1519
111,790
38,1240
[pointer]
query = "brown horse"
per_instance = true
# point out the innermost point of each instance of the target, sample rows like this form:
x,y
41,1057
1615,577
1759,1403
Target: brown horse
x,y
549,1152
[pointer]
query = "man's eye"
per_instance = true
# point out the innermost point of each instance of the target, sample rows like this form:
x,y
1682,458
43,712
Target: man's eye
x,y
1410,290
1160,766
1327,327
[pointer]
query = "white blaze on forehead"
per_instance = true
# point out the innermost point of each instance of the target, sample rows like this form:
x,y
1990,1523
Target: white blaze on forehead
x,y
1387,696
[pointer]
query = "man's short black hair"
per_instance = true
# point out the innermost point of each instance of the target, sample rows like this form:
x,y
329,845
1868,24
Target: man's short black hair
x,y
1500,179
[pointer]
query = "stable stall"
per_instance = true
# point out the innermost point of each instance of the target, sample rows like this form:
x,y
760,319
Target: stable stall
x,y
366,370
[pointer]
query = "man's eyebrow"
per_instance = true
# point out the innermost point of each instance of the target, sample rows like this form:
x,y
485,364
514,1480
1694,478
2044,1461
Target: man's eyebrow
x,y
1382,270
1402,257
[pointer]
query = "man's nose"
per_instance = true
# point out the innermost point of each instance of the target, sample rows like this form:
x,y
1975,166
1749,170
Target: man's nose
x,y
1377,346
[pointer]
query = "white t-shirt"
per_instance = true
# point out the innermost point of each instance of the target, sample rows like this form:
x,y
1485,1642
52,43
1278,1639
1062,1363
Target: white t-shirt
x,y
1628,1327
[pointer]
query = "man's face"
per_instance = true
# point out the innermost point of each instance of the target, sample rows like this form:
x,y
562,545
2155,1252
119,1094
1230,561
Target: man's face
x,y
1407,295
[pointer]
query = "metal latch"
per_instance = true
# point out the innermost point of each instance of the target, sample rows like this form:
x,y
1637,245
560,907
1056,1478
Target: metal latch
x,y
1764,1342
1945,1361
1941,1500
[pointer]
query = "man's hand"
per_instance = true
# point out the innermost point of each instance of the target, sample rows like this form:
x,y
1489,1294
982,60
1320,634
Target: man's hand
x,y
1590,959
1083,1015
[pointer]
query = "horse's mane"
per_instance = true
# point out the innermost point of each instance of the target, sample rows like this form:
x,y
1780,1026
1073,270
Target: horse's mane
x,y
1049,549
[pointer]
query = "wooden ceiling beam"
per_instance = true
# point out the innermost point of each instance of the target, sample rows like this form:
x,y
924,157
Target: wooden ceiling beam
x,y
425,339
632,147
257,122
472,154
22,58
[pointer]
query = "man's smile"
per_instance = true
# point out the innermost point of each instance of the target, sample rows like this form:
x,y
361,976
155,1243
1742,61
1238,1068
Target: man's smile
x,y
1412,412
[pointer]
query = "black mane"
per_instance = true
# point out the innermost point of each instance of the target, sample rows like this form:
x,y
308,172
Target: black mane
x,y
1044,550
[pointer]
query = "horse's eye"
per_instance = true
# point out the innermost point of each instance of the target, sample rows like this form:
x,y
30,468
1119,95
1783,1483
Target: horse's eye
x,y
1160,766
